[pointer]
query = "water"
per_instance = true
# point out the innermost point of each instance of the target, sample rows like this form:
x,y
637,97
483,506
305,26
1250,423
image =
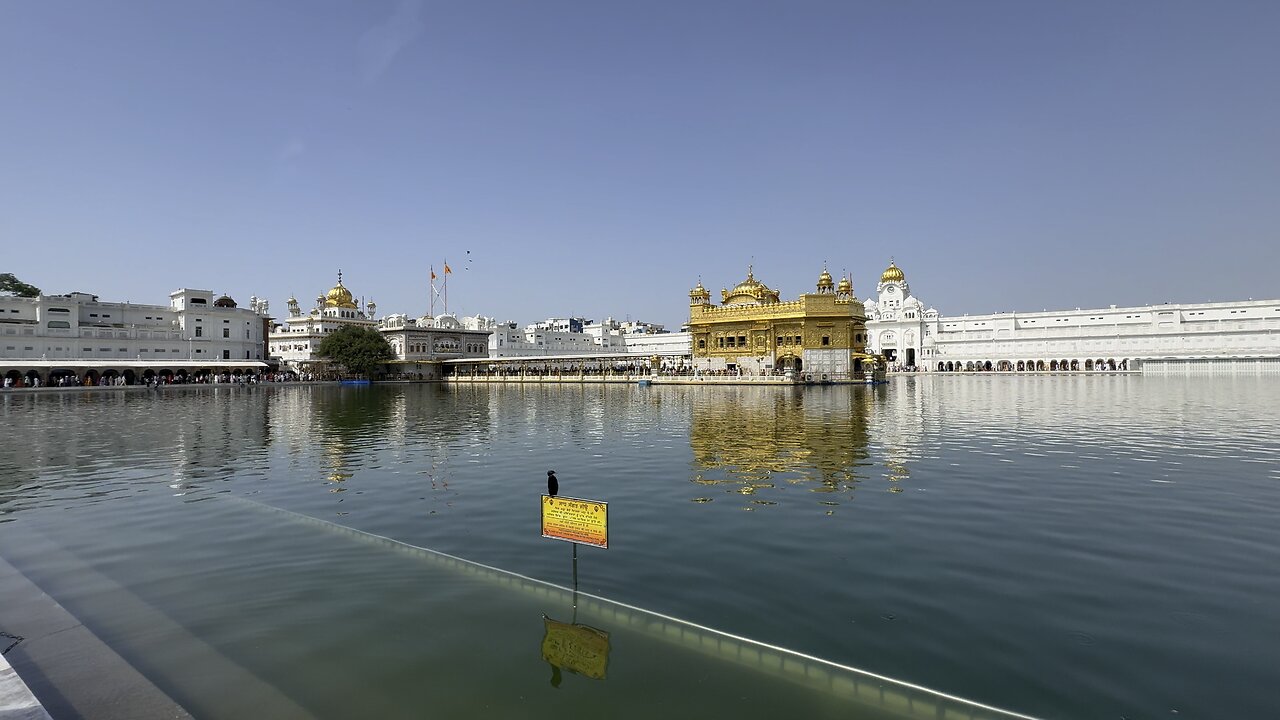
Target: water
x,y
1097,547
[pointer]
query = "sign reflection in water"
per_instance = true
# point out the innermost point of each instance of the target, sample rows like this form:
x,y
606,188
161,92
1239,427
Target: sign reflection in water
x,y
578,648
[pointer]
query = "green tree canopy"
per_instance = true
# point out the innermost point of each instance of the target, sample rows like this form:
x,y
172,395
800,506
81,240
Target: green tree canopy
x,y
359,350
11,284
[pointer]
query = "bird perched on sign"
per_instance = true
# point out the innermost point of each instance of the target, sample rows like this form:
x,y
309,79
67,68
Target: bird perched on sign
x,y
553,485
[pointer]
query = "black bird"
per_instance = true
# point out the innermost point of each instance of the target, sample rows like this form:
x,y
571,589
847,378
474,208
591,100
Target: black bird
x,y
553,485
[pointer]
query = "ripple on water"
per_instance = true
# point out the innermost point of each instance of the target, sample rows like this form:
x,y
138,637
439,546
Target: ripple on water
x,y
1131,538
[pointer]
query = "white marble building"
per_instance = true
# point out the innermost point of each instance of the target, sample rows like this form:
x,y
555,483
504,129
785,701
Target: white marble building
x,y
420,344
295,341
1219,337
571,336
897,321
79,334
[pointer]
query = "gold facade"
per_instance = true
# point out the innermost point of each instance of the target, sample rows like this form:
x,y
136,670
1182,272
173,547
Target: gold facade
x,y
752,324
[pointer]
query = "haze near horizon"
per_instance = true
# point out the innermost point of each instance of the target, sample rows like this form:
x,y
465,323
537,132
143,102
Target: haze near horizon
x,y
572,158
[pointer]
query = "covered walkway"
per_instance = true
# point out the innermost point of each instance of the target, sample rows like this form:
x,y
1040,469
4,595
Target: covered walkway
x,y
620,366
73,372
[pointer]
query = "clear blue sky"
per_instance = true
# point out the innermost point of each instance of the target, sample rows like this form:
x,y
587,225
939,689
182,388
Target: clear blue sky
x,y
596,158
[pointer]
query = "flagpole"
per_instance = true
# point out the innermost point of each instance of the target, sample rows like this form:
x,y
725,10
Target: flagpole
x,y
432,311
446,286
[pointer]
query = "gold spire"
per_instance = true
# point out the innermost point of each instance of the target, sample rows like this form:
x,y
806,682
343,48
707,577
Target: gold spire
x,y
824,280
699,295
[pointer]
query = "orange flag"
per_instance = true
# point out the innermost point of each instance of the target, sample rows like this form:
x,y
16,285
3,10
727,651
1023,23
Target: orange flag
x,y
446,269
433,273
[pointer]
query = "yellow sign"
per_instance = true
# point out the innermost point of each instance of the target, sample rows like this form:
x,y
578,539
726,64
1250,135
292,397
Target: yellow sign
x,y
581,649
575,520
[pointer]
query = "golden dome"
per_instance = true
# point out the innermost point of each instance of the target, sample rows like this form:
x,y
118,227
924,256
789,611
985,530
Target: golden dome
x,y
845,286
339,296
892,274
824,280
749,291
699,292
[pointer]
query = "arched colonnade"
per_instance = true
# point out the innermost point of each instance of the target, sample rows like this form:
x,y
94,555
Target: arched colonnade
x,y
1052,365
73,375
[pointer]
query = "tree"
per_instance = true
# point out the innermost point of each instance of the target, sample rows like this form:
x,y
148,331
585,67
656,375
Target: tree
x,y
11,284
359,350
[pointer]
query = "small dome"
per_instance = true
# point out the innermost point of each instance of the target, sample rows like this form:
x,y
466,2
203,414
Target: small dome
x,y
892,274
824,280
224,302
845,287
699,293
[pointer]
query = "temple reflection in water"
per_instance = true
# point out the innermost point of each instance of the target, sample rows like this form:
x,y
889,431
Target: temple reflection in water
x,y
760,438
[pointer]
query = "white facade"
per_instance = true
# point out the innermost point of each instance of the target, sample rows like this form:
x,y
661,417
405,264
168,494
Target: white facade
x,y
1115,338
443,337
554,336
896,322
193,327
582,337
508,340
296,341
662,344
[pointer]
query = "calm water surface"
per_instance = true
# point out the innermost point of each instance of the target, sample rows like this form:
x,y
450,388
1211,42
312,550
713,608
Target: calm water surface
x,y
1091,547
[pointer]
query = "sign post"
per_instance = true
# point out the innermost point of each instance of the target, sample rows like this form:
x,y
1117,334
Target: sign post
x,y
575,520
577,648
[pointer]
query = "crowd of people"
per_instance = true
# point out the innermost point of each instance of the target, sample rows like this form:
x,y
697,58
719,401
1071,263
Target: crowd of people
x,y
67,379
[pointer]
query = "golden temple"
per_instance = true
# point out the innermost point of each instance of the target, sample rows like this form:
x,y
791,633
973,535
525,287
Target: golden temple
x,y
821,335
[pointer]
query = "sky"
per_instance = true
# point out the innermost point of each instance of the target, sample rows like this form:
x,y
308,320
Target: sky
x,y
600,158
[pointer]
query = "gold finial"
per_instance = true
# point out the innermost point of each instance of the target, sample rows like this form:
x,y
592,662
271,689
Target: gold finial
x,y
339,276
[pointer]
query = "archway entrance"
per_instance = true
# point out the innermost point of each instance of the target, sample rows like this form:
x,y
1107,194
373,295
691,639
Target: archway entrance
x,y
61,377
